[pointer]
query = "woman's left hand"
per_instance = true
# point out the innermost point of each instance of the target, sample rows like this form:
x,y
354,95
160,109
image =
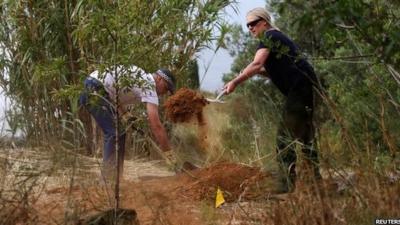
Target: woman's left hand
x,y
230,87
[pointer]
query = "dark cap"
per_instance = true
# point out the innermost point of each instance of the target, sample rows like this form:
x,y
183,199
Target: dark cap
x,y
169,77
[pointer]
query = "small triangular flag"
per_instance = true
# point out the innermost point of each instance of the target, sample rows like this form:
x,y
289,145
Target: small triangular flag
x,y
219,199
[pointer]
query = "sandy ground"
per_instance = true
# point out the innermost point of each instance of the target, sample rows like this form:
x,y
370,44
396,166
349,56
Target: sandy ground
x,y
158,195
35,190
68,194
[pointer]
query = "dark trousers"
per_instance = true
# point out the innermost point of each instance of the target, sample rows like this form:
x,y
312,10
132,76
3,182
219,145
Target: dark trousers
x,y
297,127
95,99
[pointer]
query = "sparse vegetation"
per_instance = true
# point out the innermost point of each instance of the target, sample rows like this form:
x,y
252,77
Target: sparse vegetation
x,y
51,176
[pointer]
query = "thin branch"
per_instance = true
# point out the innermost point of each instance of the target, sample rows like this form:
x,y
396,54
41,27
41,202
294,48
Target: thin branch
x,y
395,74
344,57
345,26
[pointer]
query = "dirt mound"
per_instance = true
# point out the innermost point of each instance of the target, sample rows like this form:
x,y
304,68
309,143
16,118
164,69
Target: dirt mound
x,y
184,105
174,199
234,180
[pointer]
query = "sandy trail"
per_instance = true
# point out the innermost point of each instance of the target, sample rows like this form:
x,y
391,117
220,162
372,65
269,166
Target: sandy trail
x,y
159,196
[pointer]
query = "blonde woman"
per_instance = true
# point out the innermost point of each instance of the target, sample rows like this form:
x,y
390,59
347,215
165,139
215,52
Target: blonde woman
x,y
279,56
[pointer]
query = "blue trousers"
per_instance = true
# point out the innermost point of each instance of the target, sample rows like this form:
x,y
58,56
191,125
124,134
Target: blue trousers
x,y
95,99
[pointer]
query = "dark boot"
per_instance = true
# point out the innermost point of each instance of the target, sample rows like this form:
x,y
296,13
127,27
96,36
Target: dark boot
x,y
287,180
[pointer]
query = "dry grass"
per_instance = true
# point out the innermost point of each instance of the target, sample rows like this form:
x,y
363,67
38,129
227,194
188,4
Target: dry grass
x,y
203,143
347,196
359,185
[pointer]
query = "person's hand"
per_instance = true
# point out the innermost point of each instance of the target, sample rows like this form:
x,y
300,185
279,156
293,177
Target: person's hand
x,y
229,87
170,157
171,160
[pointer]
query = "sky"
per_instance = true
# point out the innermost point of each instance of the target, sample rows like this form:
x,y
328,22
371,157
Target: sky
x,y
220,63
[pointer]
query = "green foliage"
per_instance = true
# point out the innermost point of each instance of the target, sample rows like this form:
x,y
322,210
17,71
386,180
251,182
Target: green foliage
x,y
168,32
191,78
253,116
48,47
369,26
352,45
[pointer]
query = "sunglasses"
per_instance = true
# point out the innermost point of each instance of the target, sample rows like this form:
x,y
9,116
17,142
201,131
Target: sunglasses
x,y
253,23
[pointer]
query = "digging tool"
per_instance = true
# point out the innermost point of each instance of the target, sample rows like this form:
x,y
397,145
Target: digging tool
x,y
218,98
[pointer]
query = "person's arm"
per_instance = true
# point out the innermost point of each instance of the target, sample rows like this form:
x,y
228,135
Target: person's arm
x,y
253,68
157,128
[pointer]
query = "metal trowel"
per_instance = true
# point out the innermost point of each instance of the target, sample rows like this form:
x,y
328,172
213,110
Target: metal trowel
x,y
218,98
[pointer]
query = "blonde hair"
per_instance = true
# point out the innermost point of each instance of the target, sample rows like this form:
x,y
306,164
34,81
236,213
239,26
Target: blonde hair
x,y
261,13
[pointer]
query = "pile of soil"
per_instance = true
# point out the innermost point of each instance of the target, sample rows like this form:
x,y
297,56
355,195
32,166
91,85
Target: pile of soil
x,y
174,199
184,105
235,180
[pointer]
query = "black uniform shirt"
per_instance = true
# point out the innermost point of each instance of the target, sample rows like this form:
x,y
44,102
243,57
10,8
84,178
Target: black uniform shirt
x,y
285,67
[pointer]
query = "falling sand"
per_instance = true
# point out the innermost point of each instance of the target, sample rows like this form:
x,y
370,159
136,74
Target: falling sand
x,y
186,106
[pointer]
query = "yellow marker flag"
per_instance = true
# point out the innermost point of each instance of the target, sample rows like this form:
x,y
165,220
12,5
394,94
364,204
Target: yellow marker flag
x,y
219,198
